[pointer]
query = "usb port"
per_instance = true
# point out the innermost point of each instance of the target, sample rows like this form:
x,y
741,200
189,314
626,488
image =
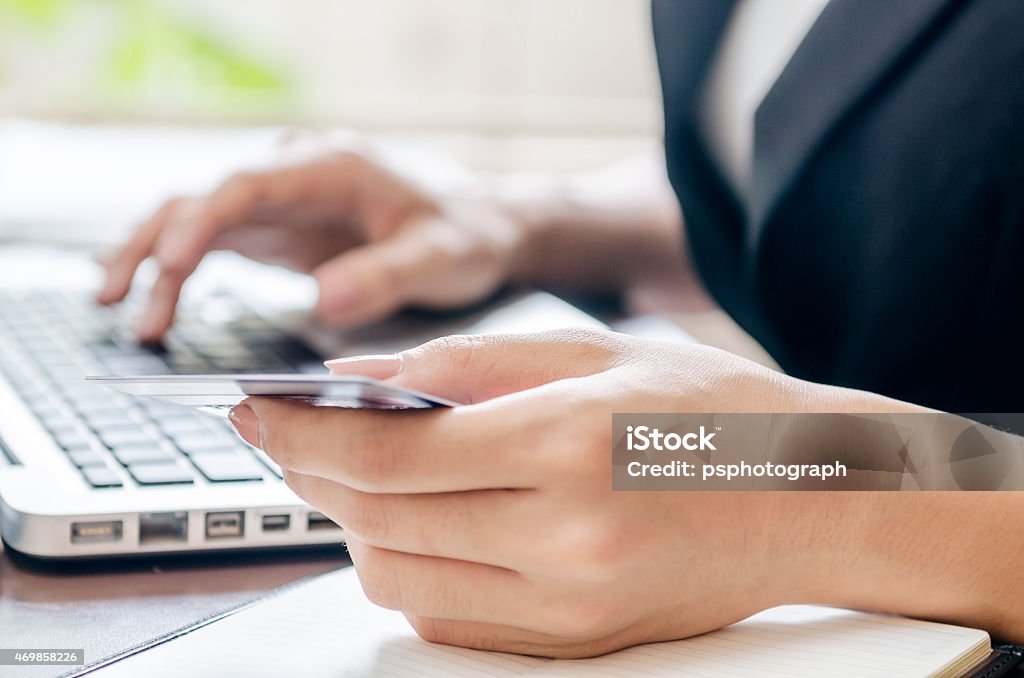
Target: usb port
x,y
318,521
98,532
225,524
277,522
163,527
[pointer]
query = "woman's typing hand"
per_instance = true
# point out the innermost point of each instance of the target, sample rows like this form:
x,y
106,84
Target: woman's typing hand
x,y
373,241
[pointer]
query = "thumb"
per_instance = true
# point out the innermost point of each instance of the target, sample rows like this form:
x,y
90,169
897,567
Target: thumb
x,y
471,369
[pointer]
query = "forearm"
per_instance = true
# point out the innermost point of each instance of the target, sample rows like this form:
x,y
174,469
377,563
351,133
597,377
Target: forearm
x,y
946,556
596,231
952,556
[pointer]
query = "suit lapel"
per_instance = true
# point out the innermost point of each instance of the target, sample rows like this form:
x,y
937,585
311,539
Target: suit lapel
x,y
686,33
847,52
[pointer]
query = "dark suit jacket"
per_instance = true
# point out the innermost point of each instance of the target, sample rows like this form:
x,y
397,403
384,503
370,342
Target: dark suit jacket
x,y
883,244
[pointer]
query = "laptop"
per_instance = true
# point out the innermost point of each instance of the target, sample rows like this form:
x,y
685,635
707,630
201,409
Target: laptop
x,y
86,471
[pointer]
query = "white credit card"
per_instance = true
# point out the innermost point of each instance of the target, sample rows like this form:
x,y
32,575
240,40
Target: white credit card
x,y
217,393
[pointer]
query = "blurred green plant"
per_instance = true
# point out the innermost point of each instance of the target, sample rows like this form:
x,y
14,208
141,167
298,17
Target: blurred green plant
x,y
153,47
39,12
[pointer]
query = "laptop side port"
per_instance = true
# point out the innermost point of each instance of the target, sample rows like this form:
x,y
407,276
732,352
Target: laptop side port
x,y
318,521
163,527
225,524
276,522
97,532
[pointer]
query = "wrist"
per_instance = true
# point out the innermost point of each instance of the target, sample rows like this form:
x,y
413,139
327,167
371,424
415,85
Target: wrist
x,y
592,232
534,203
807,545
837,548
929,555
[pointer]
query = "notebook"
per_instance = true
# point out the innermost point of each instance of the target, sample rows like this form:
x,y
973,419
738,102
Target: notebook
x,y
326,628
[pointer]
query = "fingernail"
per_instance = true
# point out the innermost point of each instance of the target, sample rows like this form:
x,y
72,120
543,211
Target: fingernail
x,y
376,366
108,291
106,294
246,423
170,253
149,328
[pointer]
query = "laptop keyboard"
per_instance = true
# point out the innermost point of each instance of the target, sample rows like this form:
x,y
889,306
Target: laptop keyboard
x,y
51,340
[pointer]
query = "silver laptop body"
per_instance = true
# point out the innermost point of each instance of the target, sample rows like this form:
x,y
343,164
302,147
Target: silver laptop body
x,y
87,472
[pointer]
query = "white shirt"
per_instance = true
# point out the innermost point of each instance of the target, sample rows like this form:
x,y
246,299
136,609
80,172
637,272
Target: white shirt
x,y
759,41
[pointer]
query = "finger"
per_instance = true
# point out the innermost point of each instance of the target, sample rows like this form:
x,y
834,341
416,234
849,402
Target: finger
x,y
184,242
374,281
448,589
481,527
327,183
163,296
163,300
502,606
503,638
189,233
121,267
470,369
180,249
412,451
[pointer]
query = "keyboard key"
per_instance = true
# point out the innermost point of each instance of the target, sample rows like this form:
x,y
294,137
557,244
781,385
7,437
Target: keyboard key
x,y
72,441
227,466
267,461
108,420
141,454
35,397
101,476
95,402
79,391
105,348
162,410
239,363
180,425
113,403
208,441
143,364
224,346
163,473
61,372
48,414
86,457
188,365
60,427
120,437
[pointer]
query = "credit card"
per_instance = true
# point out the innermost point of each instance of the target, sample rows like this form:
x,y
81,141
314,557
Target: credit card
x,y
218,393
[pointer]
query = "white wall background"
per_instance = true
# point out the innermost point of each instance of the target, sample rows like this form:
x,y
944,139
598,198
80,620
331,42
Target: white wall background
x,y
576,67
495,84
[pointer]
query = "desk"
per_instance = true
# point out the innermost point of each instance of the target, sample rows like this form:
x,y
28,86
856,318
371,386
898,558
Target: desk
x,y
108,607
